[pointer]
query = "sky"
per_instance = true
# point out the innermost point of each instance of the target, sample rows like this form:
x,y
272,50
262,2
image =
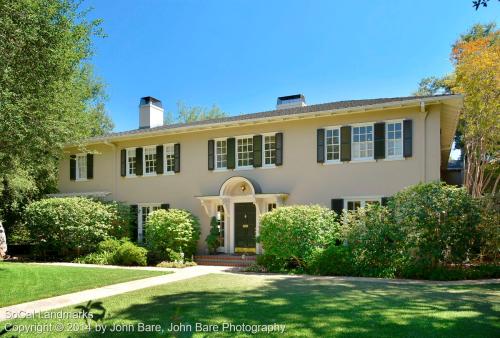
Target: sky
x,y
242,54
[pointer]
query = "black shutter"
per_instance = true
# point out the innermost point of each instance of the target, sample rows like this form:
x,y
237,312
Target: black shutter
x,y
177,157
72,167
385,200
138,161
90,166
159,159
231,160
133,222
165,206
257,151
320,145
211,154
123,162
345,143
278,138
379,138
407,138
338,205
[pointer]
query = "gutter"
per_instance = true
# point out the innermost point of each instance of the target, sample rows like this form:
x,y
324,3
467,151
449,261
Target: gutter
x,y
267,119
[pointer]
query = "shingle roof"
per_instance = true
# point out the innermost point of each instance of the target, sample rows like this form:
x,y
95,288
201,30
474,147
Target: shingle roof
x,y
274,113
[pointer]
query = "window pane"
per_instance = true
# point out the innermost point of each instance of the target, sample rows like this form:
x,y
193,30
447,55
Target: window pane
x,y
332,144
362,142
150,160
394,140
81,167
169,158
269,150
131,162
245,152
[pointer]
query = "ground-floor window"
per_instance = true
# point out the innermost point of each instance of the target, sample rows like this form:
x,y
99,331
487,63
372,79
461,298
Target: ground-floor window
x,y
271,206
144,211
221,223
355,203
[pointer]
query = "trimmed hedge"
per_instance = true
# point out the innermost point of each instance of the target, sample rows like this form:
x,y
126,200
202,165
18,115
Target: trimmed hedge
x,y
116,252
63,225
292,233
172,235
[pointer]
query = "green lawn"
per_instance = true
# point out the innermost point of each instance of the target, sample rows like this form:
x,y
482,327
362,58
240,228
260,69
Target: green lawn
x,y
308,307
21,283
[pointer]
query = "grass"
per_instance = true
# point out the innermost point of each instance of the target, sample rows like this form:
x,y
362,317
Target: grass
x,y
21,283
307,306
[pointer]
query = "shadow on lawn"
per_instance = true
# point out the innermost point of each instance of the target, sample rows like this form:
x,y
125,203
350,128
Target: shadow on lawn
x,y
315,307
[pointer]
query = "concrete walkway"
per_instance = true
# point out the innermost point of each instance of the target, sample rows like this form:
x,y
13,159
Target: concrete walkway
x,y
106,291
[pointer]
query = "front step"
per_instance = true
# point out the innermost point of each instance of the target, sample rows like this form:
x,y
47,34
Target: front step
x,y
225,260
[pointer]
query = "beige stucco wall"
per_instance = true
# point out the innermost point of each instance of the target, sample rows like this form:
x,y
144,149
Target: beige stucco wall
x,y
300,176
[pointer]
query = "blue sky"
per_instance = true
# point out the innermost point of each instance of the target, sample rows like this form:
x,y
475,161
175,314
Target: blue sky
x,y
241,55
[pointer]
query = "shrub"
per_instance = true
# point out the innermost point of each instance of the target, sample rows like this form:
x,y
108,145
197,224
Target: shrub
x,y
172,233
64,224
102,258
110,245
177,265
121,224
374,239
130,254
294,232
213,237
489,228
332,261
440,223
272,263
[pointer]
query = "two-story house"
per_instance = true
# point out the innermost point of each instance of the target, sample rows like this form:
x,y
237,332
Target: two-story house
x,y
340,154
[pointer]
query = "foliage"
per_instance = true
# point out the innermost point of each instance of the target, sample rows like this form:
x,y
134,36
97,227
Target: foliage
x,y
271,263
478,3
489,228
121,226
187,113
130,254
435,85
439,223
212,239
120,252
175,264
49,95
64,224
3,242
335,260
452,272
173,232
374,239
477,68
293,232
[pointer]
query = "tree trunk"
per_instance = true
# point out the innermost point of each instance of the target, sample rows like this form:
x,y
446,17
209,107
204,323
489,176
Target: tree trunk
x,y
3,242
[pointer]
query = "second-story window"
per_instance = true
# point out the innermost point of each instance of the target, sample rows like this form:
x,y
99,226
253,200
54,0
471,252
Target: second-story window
x,y
81,167
245,152
131,160
150,160
362,142
221,154
269,150
394,140
332,141
169,158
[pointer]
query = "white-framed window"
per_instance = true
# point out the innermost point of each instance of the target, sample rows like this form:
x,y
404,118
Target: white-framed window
x,y
150,160
221,223
244,152
269,150
362,142
354,203
131,162
221,154
394,139
143,212
169,158
332,142
81,167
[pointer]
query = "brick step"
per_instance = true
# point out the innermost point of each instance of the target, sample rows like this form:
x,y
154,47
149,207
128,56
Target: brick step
x,y
225,257
225,260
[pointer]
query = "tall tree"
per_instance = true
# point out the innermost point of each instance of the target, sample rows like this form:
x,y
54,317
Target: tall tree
x,y
49,95
477,68
187,113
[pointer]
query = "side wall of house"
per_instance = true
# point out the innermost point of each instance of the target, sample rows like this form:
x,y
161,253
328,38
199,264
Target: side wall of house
x,y
300,176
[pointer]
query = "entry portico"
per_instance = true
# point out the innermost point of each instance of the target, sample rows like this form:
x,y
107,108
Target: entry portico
x,y
242,204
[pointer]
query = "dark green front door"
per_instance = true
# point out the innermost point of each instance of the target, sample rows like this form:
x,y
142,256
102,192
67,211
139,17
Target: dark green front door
x,y
244,227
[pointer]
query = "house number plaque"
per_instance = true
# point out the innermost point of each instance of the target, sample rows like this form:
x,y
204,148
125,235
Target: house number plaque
x,y
245,225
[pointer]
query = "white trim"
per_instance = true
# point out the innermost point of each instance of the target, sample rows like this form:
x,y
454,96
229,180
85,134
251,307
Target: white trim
x,y
144,174
359,125
386,139
77,168
140,226
326,146
165,171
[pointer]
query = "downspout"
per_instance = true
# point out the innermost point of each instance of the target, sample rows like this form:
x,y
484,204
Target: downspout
x,y
423,110
113,146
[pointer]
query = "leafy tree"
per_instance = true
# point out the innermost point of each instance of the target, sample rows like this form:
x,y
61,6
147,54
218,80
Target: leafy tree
x,y
49,95
477,68
213,237
435,85
187,113
478,3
